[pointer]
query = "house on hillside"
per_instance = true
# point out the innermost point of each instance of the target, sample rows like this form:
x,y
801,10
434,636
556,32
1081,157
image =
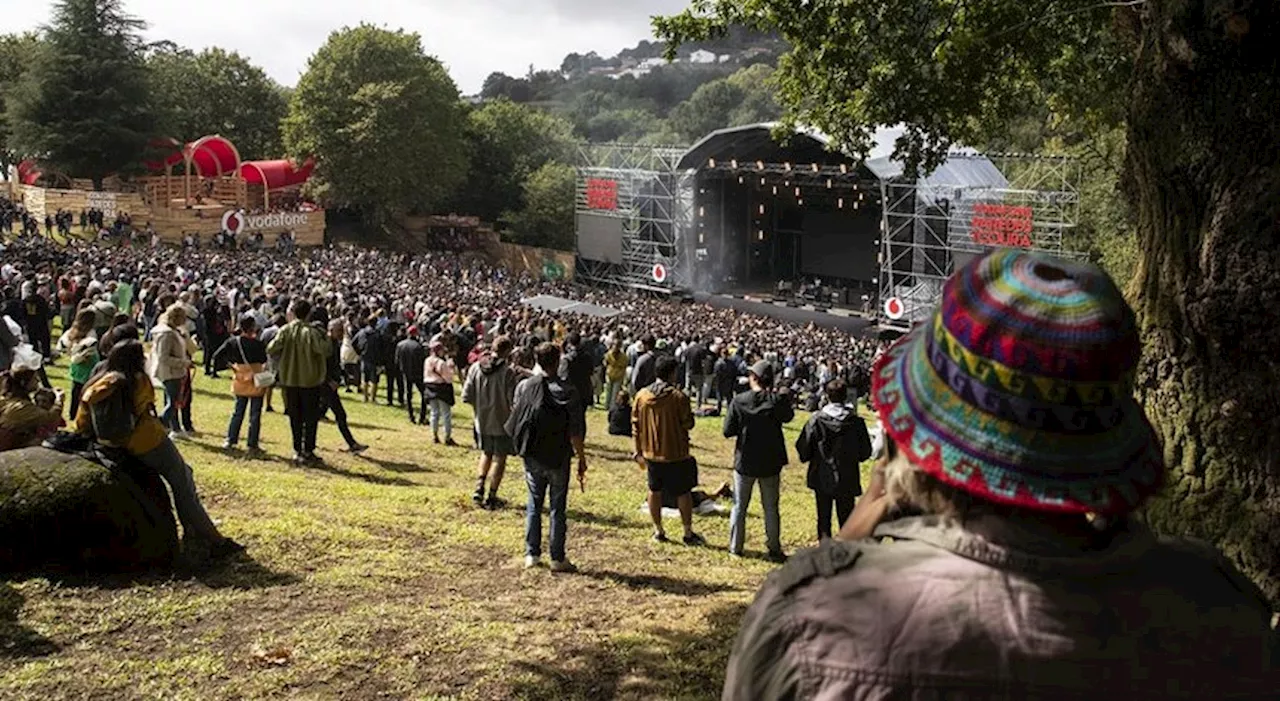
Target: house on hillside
x,y
650,63
724,58
702,56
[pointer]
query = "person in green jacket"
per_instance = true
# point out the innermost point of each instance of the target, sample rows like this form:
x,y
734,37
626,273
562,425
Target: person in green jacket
x,y
301,351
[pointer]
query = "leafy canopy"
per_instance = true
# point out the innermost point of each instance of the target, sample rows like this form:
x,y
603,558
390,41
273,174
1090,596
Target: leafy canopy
x,y
218,92
951,71
547,217
83,107
16,51
384,121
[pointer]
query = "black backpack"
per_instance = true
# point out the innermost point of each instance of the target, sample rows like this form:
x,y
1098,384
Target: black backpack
x,y
541,424
112,416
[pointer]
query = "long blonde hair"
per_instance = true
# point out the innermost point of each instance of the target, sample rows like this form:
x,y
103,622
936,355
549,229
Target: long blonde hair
x,y
175,317
83,325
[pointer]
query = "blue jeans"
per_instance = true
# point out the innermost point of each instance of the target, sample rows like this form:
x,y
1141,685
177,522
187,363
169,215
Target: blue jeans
x,y
611,388
742,487
441,413
540,480
254,405
167,461
172,393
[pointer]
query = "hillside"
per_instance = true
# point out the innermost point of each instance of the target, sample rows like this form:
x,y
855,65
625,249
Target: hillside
x,y
637,95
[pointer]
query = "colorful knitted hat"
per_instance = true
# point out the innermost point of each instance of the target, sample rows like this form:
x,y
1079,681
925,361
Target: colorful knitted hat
x,y
1019,390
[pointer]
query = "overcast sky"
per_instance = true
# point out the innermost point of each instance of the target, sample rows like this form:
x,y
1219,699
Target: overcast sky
x,y
472,37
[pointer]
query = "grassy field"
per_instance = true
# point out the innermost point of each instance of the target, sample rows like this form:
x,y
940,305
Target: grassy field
x,y
375,577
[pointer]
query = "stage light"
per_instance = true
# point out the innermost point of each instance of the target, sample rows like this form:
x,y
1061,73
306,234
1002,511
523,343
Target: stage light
x,y
815,167
762,209
844,168
797,192
787,166
840,203
702,238
761,237
775,189
711,163
702,211
828,183
759,165
800,203
734,163
761,182
740,180
859,196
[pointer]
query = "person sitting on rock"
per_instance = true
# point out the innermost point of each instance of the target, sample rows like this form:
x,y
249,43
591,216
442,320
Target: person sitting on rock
x,y
125,371
26,421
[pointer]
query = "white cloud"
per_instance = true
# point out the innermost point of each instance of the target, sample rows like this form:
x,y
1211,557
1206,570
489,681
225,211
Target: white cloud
x,y
472,37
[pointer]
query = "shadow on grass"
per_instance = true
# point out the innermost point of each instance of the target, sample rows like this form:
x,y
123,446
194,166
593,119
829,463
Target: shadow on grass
x,y
608,521
242,572
16,640
659,583
656,663
392,465
380,480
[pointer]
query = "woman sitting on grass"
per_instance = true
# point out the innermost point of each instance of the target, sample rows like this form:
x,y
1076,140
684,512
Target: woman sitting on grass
x,y
620,414
148,441
26,421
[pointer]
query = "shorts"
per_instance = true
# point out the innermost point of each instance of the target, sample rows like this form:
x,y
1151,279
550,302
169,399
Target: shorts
x,y
674,478
497,445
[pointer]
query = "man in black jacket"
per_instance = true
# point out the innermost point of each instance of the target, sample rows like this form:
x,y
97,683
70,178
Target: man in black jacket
x,y
576,368
834,442
548,426
644,373
410,356
333,380
755,419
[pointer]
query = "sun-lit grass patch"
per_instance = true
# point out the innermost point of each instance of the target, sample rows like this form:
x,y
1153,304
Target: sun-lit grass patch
x,y
375,577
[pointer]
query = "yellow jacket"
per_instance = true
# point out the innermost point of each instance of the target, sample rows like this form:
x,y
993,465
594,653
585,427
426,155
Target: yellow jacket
x,y
615,365
148,433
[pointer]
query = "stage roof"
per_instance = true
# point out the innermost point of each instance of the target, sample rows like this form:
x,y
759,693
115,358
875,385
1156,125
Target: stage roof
x,y
963,168
276,174
551,303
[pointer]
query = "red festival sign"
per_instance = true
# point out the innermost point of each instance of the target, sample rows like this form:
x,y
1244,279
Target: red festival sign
x,y
602,194
1002,225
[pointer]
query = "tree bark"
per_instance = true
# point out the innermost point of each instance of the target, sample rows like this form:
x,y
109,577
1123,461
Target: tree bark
x,y
1203,173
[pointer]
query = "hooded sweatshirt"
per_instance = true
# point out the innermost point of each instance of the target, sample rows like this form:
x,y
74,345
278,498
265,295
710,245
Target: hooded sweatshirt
x,y
834,442
660,422
490,387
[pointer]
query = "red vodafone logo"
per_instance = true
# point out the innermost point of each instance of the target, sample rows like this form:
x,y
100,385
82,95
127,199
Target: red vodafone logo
x,y
233,222
659,273
893,308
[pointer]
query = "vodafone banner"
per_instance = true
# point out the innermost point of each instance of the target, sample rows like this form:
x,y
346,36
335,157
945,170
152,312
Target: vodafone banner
x,y
237,222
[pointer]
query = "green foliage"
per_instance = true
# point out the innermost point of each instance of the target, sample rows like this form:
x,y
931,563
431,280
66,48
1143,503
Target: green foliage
x,y
384,121
952,71
16,51
216,92
83,106
746,97
547,217
508,142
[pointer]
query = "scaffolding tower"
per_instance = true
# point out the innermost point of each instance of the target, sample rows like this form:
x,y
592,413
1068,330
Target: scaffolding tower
x,y
929,231
654,200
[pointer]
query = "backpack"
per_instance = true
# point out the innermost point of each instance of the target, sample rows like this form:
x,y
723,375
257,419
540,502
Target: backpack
x,y
112,416
541,424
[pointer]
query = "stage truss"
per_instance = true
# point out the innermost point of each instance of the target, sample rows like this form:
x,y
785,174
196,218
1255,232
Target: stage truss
x,y
928,231
655,203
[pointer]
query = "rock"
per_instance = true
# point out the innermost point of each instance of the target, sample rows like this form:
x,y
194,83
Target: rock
x,y
60,512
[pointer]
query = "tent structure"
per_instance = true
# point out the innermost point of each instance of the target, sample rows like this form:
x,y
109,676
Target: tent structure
x,y
551,303
276,175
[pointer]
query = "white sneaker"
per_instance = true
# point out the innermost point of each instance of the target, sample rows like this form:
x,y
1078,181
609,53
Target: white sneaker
x,y
563,567
531,562
177,436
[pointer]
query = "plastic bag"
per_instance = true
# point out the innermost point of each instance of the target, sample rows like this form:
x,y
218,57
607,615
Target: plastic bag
x,y
25,357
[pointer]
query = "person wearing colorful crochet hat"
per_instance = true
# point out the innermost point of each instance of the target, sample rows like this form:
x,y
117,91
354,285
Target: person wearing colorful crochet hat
x,y
995,553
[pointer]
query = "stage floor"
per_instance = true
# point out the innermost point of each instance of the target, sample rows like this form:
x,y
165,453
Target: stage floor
x,y
794,311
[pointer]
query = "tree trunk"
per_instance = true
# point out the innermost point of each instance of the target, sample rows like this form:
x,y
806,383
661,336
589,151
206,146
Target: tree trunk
x,y
1203,172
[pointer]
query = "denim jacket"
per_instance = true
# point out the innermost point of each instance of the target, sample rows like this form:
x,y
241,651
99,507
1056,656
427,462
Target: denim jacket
x,y
996,610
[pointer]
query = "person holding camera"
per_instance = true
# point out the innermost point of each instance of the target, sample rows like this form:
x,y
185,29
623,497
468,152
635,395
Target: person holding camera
x,y
755,419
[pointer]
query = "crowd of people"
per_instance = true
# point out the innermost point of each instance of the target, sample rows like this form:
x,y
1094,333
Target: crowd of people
x,y
422,333
995,549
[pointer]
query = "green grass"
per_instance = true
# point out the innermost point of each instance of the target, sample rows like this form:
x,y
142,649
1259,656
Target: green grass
x,y
381,580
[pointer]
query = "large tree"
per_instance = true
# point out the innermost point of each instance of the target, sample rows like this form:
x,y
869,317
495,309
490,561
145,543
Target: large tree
x,y
384,121
547,217
16,52
83,107
508,142
1195,85
218,92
